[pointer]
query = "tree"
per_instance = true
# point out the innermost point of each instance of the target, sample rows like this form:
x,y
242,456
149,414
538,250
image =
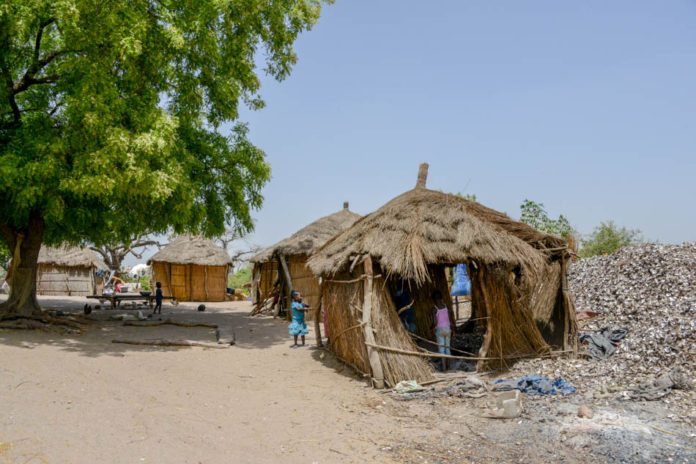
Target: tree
x,y
111,117
114,254
608,238
240,254
535,215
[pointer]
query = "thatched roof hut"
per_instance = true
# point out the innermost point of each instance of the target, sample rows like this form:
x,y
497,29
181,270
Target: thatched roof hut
x,y
292,253
68,270
192,268
517,273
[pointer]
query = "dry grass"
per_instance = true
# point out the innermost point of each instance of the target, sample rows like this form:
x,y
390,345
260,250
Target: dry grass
x,y
192,250
69,256
422,227
311,237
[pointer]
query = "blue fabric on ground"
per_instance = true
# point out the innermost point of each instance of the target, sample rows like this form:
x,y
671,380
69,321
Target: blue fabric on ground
x,y
534,384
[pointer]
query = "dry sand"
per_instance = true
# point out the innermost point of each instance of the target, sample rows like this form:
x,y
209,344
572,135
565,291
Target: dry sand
x,y
82,399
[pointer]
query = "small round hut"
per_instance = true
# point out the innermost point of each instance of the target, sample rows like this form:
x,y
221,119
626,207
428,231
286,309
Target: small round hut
x,y
192,268
290,256
68,270
520,299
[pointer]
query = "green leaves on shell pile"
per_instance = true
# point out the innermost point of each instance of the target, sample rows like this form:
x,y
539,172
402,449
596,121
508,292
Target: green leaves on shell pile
x,y
113,125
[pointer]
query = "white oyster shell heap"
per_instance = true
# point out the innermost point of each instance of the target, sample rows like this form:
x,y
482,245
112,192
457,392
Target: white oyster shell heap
x,y
650,290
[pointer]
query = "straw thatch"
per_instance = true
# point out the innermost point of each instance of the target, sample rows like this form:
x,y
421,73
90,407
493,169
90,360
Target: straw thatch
x,y
70,256
311,237
519,295
192,268
295,250
425,226
68,270
192,250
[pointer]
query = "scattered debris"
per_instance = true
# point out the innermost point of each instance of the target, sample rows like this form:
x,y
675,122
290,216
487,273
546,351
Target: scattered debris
x,y
603,344
585,412
535,384
408,386
507,406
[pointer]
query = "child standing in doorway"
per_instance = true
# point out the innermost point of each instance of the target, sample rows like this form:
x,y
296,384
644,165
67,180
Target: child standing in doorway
x,y
298,326
443,326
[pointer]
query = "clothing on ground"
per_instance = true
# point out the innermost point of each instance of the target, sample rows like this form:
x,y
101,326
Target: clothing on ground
x,y
603,344
534,384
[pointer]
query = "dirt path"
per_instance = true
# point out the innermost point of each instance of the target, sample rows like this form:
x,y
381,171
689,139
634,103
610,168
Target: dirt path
x,y
82,399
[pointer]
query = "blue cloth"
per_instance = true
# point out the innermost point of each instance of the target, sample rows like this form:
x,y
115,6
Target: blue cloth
x,y
158,296
298,326
461,286
443,335
534,384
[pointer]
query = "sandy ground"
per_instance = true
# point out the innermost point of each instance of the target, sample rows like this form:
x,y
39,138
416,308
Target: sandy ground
x,y
82,399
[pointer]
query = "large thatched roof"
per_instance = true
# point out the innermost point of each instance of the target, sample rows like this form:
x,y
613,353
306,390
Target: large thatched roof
x,y
422,227
70,256
311,237
192,250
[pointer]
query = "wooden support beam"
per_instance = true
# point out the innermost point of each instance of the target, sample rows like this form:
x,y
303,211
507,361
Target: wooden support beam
x,y
372,354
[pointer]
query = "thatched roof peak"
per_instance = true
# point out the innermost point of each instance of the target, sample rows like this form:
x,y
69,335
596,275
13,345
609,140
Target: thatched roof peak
x,y
311,237
188,249
70,256
422,227
422,175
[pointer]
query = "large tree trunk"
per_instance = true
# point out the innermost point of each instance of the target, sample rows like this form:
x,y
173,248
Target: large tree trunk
x,y
25,246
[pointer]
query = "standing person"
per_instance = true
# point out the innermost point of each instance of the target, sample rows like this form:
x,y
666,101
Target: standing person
x,y
443,326
158,298
298,326
404,306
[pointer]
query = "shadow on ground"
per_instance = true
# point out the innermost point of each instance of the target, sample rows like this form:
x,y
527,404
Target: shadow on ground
x,y
250,332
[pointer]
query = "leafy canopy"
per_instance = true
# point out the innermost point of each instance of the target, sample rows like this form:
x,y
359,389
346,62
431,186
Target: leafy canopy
x,y
608,238
111,113
535,215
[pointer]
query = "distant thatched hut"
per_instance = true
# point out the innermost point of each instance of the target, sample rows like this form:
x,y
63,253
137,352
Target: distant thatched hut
x,y
68,271
518,275
192,269
291,256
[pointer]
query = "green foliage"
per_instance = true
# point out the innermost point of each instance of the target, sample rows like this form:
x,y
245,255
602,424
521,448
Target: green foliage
x,y
5,257
110,117
239,278
608,238
145,282
535,215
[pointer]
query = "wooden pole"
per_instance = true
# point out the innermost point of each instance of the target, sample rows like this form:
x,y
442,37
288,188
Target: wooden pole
x,y
288,286
372,354
317,316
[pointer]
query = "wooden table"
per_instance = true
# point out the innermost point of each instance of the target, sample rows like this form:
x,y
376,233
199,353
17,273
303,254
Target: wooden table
x,y
116,298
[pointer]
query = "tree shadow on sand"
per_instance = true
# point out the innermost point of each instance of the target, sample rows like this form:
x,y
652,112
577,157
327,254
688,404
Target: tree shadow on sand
x,y
96,340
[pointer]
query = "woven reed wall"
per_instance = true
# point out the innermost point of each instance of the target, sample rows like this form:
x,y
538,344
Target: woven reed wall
x,y
64,281
342,304
189,282
390,332
511,330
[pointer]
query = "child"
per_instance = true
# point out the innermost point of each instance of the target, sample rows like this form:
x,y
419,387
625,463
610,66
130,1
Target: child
x,y
443,327
158,298
298,326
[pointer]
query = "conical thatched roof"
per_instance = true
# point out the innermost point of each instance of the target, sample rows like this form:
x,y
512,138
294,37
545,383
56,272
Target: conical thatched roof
x,y
311,237
70,256
192,250
422,227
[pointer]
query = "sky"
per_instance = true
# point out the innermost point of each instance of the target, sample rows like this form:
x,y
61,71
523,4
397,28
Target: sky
x,y
587,107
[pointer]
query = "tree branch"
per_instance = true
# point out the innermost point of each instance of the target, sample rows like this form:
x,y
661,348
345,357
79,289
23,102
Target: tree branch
x,y
39,35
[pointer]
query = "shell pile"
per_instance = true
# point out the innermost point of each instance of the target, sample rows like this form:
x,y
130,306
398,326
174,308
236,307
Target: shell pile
x,y
651,291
